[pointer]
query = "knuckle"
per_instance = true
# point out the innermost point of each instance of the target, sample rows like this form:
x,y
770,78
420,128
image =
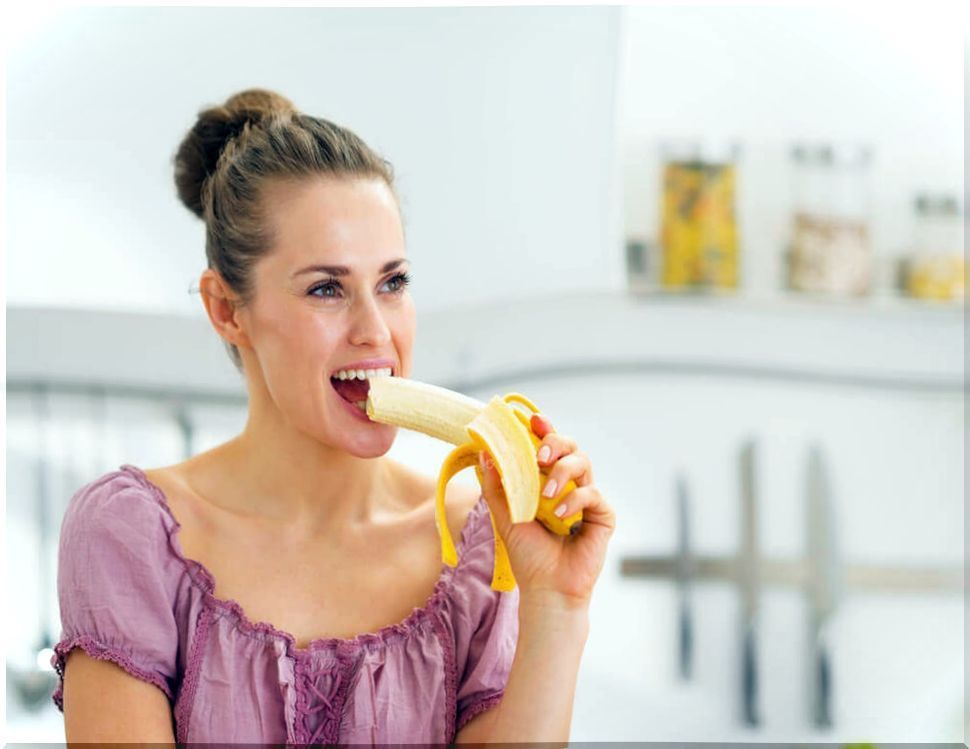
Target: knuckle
x,y
562,439
576,461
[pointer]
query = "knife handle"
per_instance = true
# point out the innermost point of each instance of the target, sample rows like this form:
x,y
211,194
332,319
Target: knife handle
x,y
823,695
750,675
686,637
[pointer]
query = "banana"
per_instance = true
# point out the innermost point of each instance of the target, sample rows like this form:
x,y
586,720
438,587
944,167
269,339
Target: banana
x,y
472,426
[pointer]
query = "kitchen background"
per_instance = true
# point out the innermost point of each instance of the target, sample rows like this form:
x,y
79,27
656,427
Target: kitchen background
x,y
736,234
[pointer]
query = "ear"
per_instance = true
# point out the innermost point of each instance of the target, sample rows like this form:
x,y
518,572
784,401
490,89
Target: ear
x,y
222,307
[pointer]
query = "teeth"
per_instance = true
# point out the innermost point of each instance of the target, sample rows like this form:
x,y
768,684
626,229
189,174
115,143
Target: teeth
x,y
361,374
362,405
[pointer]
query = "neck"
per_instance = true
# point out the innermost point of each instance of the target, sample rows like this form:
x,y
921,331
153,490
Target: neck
x,y
288,478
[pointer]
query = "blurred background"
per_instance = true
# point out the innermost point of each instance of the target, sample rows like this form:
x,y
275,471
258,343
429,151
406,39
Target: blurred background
x,y
735,233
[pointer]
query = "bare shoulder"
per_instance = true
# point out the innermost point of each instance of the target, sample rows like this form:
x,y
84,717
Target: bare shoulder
x,y
171,480
165,478
460,498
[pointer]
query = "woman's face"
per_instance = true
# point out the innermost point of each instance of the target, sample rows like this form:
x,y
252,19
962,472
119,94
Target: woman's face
x,y
304,323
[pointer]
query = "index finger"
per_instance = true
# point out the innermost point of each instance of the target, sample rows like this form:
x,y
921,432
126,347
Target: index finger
x,y
541,425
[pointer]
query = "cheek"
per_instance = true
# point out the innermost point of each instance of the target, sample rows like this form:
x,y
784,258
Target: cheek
x,y
404,325
293,339
280,338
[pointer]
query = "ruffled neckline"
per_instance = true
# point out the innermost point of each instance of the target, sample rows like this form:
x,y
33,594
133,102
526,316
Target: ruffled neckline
x,y
205,580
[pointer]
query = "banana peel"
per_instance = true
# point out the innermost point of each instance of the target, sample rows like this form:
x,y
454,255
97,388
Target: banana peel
x,y
500,427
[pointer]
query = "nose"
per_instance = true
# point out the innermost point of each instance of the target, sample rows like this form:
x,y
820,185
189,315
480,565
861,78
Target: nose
x,y
369,327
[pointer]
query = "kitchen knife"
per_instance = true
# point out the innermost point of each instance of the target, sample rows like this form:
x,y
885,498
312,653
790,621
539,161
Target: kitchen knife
x,y
684,572
749,583
825,584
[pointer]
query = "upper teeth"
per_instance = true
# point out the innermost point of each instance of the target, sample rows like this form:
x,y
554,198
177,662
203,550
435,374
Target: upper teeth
x,y
360,374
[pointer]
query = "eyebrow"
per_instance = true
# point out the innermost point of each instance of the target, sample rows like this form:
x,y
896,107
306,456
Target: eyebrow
x,y
343,270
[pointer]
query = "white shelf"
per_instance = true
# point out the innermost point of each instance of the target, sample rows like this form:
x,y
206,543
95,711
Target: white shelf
x,y
881,344
805,303
873,343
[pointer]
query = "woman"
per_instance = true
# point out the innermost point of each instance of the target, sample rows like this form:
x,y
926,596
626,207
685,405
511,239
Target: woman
x,y
286,586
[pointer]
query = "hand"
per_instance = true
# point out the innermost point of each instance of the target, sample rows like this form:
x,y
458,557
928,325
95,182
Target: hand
x,y
544,563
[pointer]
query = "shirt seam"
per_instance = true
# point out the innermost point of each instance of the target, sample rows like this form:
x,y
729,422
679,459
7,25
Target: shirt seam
x,y
186,702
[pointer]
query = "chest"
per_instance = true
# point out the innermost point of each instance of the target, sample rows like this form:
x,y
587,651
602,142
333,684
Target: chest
x,y
315,591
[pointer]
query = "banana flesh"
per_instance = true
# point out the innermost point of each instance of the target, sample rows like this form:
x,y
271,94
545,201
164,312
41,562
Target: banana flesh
x,y
472,426
497,430
419,406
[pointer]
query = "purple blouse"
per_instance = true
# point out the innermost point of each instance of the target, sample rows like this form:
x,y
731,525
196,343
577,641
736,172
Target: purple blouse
x,y
127,594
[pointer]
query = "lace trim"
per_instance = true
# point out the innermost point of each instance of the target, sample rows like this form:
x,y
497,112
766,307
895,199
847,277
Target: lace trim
x,y
205,581
102,652
451,675
186,701
478,707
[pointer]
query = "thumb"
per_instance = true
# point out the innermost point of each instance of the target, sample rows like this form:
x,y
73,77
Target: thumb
x,y
494,493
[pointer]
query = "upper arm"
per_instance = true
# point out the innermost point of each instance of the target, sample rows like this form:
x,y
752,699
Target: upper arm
x,y
478,729
485,630
117,583
103,703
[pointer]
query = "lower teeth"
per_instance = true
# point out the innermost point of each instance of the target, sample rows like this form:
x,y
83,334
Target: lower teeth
x,y
362,405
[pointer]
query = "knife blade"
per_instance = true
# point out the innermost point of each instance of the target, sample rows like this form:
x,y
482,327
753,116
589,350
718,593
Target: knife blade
x,y
825,584
749,583
684,573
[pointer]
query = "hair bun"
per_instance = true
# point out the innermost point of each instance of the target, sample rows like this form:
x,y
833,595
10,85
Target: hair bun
x,y
199,151
256,104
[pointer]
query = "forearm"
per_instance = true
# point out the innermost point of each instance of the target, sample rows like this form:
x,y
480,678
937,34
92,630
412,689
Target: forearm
x,y
537,705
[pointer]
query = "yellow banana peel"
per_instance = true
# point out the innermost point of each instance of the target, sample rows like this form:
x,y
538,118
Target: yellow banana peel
x,y
501,428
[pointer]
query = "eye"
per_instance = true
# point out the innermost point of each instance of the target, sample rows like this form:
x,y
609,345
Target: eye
x,y
403,279
332,282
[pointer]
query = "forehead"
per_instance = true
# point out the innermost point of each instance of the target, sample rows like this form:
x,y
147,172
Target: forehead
x,y
348,221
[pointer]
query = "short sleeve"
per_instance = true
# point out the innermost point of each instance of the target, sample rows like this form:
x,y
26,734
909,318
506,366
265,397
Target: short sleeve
x,y
486,626
115,585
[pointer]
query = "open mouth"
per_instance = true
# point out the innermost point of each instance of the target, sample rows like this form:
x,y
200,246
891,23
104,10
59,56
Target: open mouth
x,y
355,390
352,391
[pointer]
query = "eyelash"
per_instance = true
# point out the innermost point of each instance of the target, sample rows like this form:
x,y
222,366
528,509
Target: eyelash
x,y
404,278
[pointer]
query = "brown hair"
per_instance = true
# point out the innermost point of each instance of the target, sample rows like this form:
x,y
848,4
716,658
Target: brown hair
x,y
226,158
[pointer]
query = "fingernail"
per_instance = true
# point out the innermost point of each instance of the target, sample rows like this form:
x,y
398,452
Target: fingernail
x,y
550,490
544,452
561,510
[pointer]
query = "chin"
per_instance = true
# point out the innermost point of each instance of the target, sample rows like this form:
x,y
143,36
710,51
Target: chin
x,y
370,452
370,445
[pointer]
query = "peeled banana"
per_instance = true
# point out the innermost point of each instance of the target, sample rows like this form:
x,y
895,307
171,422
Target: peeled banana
x,y
498,427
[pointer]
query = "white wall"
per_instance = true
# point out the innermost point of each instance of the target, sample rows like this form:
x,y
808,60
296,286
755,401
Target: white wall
x,y
497,120
889,74
500,123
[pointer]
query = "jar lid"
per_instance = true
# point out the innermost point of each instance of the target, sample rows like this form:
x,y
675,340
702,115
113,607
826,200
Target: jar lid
x,y
936,204
700,150
837,154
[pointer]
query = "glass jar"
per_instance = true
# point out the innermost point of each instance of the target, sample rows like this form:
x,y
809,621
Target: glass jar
x,y
935,267
830,251
698,230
